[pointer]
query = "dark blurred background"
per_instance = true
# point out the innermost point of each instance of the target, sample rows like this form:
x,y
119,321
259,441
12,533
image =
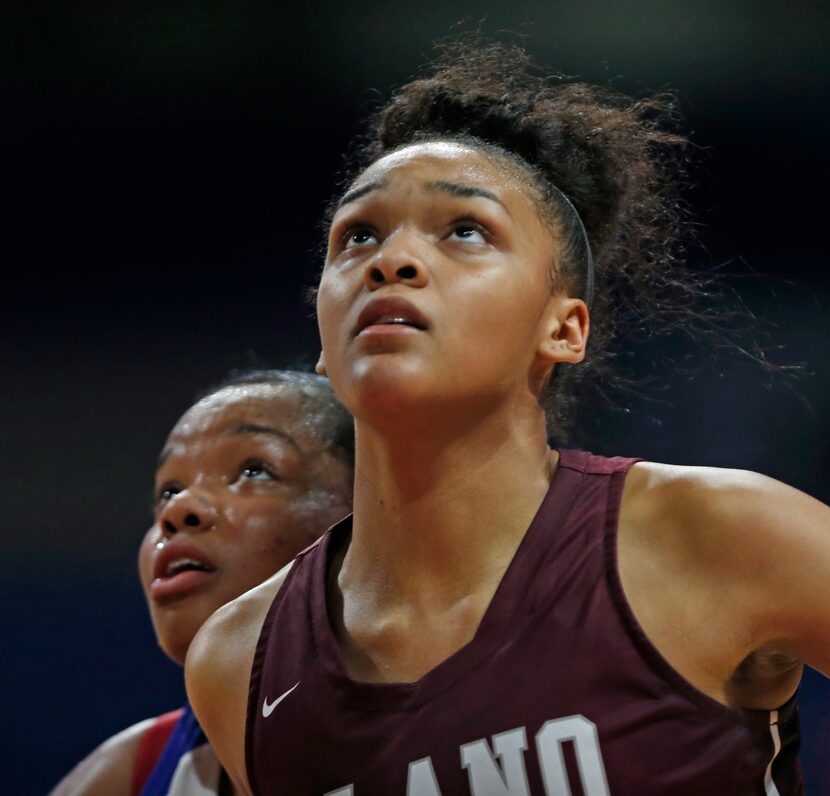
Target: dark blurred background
x,y
164,167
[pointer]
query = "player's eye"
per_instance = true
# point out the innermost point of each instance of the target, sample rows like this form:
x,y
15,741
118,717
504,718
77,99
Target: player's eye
x,y
166,492
469,232
359,236
257,471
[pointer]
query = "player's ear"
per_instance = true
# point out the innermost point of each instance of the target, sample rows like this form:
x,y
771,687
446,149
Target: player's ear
x,y
565,328
320,367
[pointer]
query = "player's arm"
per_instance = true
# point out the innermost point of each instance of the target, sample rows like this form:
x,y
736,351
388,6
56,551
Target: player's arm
x,y
780,543
218,670
108,770
728,572
764,549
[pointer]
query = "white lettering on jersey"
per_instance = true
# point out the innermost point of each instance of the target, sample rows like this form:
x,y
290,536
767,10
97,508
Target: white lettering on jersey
x,y
583,733
509,778
486,779
420,781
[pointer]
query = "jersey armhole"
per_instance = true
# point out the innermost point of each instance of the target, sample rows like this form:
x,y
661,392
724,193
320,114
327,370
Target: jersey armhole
x,y
255,678
777,730
150,747
649,653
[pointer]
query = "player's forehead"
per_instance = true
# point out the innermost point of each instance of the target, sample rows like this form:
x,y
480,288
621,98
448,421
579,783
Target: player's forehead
x,y
236,406
453,154
430,162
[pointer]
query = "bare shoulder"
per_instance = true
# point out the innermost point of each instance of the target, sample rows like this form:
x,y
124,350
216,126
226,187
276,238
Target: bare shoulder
x,y
217,672
107,770
748,555
719,510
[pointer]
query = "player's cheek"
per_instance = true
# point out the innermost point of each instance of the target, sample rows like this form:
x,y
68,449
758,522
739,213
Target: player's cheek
x,y
145,561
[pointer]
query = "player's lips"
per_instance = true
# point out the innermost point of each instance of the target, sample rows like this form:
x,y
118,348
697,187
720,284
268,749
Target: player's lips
x,y
390,312
179,566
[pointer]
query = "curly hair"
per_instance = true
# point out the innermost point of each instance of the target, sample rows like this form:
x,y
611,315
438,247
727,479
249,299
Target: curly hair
x,y
615,159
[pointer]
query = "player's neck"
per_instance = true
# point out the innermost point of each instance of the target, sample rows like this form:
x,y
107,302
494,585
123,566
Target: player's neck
x,y
436,515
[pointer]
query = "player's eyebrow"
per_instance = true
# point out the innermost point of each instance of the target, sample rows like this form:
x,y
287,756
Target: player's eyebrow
x,y
164,456
465,191
242,428
451,188
262,428
360,191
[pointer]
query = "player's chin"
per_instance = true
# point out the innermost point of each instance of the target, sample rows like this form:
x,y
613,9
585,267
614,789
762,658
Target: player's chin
x,y
175,644
388,382
177,625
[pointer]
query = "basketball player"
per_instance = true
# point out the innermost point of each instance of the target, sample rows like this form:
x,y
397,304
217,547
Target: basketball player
x,y
250,475
500,617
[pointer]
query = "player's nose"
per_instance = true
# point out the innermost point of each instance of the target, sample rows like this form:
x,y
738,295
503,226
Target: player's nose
x,y
188,511
399,259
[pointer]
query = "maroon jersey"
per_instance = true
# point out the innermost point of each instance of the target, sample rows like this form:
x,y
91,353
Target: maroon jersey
x,y
560,692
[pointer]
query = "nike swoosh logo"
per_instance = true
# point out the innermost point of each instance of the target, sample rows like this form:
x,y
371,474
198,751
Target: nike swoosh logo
x,y
267,709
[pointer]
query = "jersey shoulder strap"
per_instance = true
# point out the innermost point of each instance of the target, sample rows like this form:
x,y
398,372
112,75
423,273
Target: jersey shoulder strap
x,y
152,743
